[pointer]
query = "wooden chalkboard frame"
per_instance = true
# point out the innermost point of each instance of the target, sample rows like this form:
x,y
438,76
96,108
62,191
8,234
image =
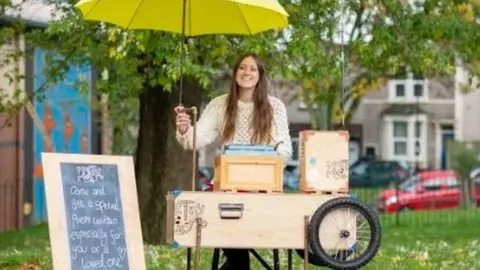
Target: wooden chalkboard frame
x,y
51,163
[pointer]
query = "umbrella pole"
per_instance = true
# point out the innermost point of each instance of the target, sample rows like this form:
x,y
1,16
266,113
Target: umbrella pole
x,y
182,52
194,173
180,96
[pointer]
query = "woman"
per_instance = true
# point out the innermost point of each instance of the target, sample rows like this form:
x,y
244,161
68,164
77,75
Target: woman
x,y
246,115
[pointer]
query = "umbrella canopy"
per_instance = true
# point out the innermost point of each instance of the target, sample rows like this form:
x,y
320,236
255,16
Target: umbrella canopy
x,y
189,17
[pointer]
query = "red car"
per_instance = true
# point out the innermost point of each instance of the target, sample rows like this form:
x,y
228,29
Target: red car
x,y
439,189
475,175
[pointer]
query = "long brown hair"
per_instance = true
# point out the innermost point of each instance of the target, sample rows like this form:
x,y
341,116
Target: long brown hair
x,y
262,117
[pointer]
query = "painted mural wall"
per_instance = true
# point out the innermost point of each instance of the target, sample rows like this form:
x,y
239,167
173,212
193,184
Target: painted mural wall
x,y
66,116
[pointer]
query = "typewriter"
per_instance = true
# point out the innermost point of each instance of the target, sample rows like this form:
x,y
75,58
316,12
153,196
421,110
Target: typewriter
x,y
250,149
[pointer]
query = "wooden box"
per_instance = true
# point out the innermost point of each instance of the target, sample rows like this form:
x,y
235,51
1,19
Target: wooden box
x,y
249,220
248,173
323,161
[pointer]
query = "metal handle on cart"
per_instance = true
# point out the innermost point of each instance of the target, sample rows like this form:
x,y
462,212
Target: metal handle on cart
x,y
231,210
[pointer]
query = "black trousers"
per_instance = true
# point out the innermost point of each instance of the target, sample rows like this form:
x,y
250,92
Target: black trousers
x,y
237,259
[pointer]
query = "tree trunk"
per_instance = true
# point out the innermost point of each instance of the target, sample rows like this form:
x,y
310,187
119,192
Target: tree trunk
x,y
466,187
161,163
329,115
318,117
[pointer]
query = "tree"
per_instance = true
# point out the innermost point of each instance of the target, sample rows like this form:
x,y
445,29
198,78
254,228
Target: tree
x,y
381,38
463,158
468,34
143,73
143,65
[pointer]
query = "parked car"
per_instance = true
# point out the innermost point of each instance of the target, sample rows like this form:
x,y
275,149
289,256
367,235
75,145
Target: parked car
x,y
373,173
437,189
361,160
206,178
475,176
291,178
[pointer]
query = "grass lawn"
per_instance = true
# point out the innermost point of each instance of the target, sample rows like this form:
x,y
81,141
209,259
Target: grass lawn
x,y
423,240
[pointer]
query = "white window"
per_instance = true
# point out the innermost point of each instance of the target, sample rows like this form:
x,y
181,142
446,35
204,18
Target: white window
x,y
400,138
407,90
405,138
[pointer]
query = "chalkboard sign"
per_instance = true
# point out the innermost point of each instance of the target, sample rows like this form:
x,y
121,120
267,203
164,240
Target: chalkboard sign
x,y
94,216
97,214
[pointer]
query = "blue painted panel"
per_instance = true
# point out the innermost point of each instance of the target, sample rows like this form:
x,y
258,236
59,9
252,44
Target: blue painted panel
x,y
66,116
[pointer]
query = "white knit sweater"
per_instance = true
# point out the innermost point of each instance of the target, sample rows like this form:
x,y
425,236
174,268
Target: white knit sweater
x,y
209,125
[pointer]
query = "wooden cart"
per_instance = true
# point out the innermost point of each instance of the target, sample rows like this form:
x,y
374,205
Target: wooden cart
x,y
322,219
271,221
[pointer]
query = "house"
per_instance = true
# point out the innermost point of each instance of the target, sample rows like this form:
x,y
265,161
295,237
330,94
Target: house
x,y
407,119
467,106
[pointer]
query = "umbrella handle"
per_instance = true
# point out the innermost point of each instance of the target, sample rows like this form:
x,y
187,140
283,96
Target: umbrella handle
x,y
194,112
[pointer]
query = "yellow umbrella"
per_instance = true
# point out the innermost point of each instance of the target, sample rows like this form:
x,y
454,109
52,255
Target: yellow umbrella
x,y
189,17
199,17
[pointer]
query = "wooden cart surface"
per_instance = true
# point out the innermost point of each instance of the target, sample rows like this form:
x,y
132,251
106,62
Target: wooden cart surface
x,y
253,220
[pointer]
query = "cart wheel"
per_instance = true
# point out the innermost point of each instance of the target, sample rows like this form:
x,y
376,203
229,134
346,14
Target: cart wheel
x,y
317,261
312,258
339,241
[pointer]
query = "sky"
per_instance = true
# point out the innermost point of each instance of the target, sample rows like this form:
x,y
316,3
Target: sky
x,y
33,11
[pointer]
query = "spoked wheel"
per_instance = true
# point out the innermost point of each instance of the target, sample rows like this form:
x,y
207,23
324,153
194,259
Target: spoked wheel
x,y
312,258
317,261
344,233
